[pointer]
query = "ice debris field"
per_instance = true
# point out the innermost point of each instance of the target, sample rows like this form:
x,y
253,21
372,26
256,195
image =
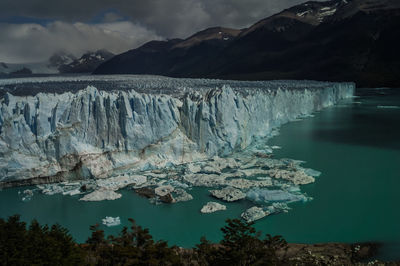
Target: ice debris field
x,y
94,135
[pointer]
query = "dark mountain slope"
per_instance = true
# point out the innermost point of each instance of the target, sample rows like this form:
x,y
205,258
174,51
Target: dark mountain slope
x,y
335,40
172,57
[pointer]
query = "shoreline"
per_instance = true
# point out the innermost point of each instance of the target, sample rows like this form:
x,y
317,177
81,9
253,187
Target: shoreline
x,y
334,253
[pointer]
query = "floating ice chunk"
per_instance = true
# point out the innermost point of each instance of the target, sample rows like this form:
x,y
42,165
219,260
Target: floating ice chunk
x,y
72,192
311,172
297,177
305,116
155,175
176,184
163,190
277,207
118,182
26,199
265,178
64,188
281,206
262,151
265,195
211,207
254,213
216,165
182,195
228,194
70,183
253,172
101,194
205,180
293,189
28,194
241,183
51,189
388,107
193,168
111,221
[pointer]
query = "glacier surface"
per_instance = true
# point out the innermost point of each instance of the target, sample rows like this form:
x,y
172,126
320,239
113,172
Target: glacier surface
x,y
95,127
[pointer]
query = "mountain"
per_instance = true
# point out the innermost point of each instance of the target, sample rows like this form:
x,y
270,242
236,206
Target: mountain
x,y
61,58
87,63
27,69
60,62
174,57
337,40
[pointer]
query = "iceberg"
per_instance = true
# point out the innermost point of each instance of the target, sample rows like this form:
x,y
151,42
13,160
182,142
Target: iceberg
x,y
388,107
181,195
228,194
101,194
211,207
51,189
278,207
254,213
27,195
72,192
266,195
121,181
111,221
64,188
312,172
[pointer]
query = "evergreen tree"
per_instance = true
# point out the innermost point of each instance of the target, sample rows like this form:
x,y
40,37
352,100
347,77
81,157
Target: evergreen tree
x,y
41,245
37,245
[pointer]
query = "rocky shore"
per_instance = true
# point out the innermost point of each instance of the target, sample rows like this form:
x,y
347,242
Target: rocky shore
x,y
332,254
316,254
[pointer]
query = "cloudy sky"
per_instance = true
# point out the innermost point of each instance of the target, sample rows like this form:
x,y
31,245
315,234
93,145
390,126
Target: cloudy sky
x,y
32,30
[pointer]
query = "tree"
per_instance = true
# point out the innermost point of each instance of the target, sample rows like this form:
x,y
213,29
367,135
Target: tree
x,y
241,245
133,246
37,245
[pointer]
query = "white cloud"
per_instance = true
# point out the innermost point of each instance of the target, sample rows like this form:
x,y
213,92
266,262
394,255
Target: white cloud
x,y
21,43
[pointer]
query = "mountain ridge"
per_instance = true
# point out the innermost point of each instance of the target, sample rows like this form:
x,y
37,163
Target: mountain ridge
x,y
61,62
337,40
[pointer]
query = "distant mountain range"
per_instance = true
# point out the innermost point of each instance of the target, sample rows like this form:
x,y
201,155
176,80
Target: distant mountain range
x,y
337,40
59,63
87,63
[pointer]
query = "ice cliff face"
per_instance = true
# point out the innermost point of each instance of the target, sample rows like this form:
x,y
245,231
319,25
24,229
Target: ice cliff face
x,y
93,133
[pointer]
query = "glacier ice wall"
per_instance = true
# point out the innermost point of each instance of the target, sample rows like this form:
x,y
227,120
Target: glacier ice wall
x,y
92,133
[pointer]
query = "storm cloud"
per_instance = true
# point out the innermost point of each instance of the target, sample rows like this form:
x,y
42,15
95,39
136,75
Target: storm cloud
x,y
21,43
118,25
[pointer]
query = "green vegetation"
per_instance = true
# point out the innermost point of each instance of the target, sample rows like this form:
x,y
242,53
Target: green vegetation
x,y
241,245
36,245
41,245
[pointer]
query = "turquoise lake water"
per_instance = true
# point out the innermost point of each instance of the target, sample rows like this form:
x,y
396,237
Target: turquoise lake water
x,y
355,145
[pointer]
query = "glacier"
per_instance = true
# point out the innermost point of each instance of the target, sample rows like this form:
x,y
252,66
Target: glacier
x,y
72,128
